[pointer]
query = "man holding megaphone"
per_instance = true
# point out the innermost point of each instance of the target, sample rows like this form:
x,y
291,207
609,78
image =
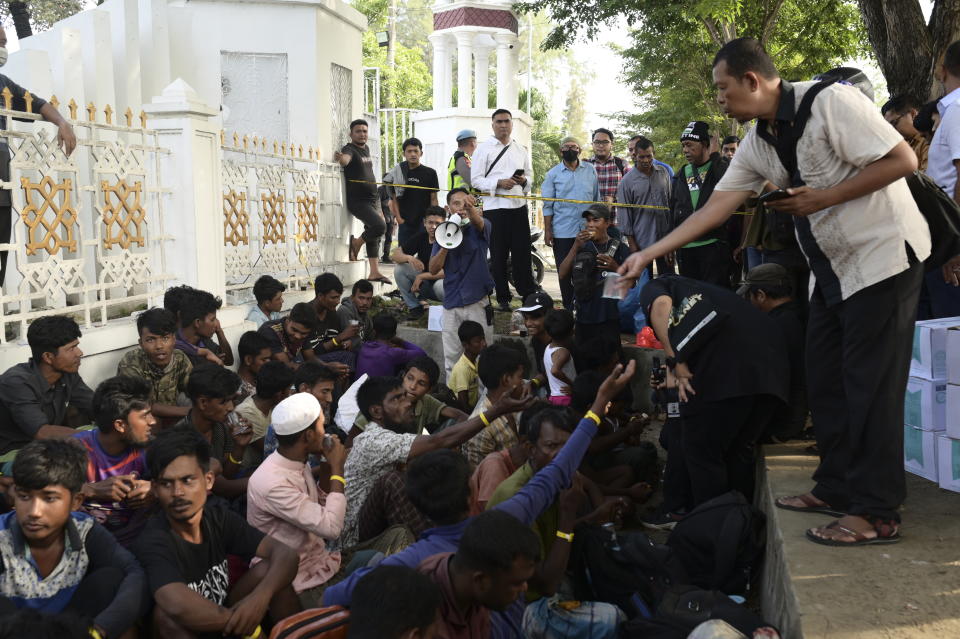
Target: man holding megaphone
x,y
460,251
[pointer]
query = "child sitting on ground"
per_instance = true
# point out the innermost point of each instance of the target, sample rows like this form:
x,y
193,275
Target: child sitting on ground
x,y
558,357
54,559
463,378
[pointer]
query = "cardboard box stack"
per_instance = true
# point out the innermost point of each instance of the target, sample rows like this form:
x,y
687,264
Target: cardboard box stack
x,y
948,442
931,421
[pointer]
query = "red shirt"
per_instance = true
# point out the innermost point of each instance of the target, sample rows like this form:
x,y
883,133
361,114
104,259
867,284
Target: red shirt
x,y
489,474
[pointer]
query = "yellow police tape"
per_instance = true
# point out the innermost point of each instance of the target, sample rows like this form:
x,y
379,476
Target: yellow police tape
x,y
542,198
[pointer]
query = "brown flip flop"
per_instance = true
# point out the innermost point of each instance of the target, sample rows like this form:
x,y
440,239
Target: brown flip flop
x,y
809,506
858,537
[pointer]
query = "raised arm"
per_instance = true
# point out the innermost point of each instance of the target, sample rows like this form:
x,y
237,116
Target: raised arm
x,y
715,212
541,491
459,433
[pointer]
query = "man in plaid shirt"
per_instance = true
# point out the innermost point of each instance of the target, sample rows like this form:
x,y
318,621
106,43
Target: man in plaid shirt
x,y
610,168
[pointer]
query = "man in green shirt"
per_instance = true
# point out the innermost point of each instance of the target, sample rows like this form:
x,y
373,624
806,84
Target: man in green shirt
x,y
708,258
546,433
419,378
156,361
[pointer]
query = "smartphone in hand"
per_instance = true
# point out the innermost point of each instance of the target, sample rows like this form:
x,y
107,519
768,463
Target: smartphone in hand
x,y
773,196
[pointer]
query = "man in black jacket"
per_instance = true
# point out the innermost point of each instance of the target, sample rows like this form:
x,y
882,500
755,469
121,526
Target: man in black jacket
x,y
708,257
768,288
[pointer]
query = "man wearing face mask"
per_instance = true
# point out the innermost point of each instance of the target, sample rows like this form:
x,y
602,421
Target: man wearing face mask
x,y
571,179
66,140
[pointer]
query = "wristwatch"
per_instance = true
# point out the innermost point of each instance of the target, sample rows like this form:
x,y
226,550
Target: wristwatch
x,y
671,362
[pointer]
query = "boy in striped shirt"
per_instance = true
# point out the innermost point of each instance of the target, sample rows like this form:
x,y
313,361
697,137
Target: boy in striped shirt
x,y
117,492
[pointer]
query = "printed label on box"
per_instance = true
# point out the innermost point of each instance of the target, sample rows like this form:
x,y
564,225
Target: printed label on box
x,y
911,408
913,444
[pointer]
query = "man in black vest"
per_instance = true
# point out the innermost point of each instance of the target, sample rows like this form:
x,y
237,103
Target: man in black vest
x,y
707,258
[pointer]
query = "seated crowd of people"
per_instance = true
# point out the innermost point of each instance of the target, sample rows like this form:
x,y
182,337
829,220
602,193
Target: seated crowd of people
x,y
180,498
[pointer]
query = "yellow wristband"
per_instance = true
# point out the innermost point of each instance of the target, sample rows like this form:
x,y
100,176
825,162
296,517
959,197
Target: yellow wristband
x,y
95,633
592,415
256,633
565,536
335,342
535,382
232,460
339,479
483,418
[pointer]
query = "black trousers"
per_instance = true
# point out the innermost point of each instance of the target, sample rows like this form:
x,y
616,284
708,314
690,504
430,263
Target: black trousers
x,y
388,234
561,248
717,447
709,263
510,239
858,358
374,227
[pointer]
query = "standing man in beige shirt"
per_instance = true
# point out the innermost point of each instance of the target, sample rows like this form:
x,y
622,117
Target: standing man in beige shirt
x,y
865,241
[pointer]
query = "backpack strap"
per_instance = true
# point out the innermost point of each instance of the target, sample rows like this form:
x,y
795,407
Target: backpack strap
x,y
619,162
786,142
496,159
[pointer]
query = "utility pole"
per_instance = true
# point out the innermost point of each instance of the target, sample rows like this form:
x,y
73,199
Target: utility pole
x,y
391,50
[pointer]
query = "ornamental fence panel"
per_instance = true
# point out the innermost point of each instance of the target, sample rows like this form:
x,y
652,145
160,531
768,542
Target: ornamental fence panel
x,y
86,232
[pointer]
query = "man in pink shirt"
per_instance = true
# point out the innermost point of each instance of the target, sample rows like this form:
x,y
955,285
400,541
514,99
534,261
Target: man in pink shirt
x,y
284,502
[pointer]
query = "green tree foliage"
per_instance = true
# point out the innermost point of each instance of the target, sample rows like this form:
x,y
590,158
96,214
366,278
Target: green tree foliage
x,y
410,82
673,43
44,13
545,137
575,115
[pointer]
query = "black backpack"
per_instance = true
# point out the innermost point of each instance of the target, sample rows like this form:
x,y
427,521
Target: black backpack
x,y
942,215
683,608
938,208
627,569
584,275
720,543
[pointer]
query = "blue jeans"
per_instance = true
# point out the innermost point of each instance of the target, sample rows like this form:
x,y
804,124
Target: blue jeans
x,y
937,298
404,274
754,257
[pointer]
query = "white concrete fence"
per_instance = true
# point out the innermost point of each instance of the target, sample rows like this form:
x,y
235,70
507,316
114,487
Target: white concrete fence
x,y
155,199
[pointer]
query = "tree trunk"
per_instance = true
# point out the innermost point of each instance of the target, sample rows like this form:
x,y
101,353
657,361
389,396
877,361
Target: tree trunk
x,y
20,13
906,47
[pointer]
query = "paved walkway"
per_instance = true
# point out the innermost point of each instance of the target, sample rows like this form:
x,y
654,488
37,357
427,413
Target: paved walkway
x,y
899,591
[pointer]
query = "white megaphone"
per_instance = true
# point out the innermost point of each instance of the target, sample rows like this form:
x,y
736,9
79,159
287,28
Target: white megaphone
x,y
449,234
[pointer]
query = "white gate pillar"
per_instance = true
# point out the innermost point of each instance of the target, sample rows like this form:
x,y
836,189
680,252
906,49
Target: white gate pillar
x,y
194,207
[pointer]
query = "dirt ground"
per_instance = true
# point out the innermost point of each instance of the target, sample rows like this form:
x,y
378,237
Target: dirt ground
x,y
903,591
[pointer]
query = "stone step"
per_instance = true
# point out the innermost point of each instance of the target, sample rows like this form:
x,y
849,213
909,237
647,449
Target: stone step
x,y
903,591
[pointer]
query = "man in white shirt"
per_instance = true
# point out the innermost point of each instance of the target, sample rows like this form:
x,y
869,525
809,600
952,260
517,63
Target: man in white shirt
x,y
943,167
943,160
501,166
864,239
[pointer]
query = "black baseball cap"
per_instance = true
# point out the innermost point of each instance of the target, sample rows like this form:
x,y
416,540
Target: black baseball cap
x,y
598,210
764,275
536,301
